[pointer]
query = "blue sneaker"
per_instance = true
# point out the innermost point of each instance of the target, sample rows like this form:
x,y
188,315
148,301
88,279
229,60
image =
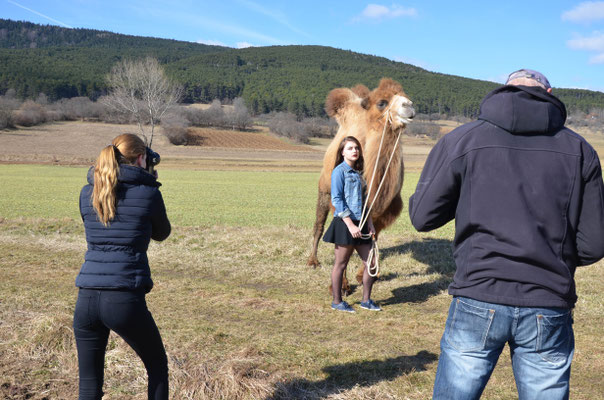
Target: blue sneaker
x,y
370,305
343,306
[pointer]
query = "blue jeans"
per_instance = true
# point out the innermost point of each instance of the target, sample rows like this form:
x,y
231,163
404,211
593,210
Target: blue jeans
x,y
541,344
124,312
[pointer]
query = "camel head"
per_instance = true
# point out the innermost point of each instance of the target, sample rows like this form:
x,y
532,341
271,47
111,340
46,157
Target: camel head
x,y
389,100
371,109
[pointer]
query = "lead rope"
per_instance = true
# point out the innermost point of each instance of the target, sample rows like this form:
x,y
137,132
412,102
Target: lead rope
x,y
374,253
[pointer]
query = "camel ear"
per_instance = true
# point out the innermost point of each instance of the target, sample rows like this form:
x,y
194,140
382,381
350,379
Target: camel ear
x,y
337,99
365,103
389,84
361,90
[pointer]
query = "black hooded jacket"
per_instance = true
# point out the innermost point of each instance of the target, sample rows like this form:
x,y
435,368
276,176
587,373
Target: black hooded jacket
x,y
527,197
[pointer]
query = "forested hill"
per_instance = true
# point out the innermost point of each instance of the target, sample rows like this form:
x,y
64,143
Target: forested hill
x,y
63,62
298,78
27,35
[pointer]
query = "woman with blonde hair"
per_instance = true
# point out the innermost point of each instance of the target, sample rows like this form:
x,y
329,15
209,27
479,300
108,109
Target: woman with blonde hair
x,y
122,210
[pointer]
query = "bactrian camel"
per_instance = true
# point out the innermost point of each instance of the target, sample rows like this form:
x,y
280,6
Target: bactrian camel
x,y
367,115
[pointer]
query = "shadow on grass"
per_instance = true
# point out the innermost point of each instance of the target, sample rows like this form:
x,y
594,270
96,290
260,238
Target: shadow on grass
x,y
346,376
436,253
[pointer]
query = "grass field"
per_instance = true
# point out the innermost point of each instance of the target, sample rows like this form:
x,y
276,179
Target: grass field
x,y
241,315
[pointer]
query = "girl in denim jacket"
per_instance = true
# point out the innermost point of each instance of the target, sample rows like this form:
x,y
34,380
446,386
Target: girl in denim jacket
x,y
347,196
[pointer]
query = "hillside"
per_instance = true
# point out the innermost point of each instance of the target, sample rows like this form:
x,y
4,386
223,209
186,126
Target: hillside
x,y
62,62
298,78
27,35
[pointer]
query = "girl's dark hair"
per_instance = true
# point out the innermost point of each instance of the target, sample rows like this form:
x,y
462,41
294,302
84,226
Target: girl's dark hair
x,y
360,163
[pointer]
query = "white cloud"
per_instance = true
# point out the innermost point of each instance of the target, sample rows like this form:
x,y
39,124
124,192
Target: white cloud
x,y
593,44
211,42
243,45
585,12
377,11
598,59
399,11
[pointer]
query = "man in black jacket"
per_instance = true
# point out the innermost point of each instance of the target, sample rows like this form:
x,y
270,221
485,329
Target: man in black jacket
x,y
528,201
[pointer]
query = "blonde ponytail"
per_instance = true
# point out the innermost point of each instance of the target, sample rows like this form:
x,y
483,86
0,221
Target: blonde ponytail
x,y
124,149
106,171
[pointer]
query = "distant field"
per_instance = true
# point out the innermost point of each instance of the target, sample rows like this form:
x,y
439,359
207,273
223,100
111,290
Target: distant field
x,y
259,139
241,315
79,143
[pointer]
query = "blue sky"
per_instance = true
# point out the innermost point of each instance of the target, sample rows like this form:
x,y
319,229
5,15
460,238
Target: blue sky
x,y
476,39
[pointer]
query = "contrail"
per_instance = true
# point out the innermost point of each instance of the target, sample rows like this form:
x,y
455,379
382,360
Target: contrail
x,y
275,15
40,14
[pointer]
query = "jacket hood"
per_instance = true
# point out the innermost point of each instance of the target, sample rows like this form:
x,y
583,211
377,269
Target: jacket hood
x,y
130,174
523,110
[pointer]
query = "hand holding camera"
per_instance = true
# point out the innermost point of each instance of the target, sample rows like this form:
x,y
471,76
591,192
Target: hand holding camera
x,y
153,159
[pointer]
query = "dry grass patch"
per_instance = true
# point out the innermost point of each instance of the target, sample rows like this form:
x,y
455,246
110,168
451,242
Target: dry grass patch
x,y
240,139
242,317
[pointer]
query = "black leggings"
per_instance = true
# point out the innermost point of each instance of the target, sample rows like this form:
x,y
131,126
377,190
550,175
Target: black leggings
x,y
124,312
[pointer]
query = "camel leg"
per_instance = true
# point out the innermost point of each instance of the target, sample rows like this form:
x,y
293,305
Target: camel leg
x,y
346,289
322,210
359,275
323,202
386,219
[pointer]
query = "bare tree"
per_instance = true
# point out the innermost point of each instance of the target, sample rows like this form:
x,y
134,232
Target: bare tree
x,y
8,106
214,114
79,108
239,117
30,113
141,88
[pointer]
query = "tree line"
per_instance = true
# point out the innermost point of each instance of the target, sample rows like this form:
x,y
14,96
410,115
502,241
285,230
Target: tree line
x,y
175,122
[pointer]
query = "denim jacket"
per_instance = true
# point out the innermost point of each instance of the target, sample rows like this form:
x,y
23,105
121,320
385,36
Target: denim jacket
x,y
347,187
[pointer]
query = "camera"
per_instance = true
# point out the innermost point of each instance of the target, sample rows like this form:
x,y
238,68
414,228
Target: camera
x,y
153,159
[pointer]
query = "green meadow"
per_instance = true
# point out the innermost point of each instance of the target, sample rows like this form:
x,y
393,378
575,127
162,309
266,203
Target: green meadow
x,y
192,197
241,315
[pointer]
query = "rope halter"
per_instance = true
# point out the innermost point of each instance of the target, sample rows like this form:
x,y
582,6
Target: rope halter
x,y
374,253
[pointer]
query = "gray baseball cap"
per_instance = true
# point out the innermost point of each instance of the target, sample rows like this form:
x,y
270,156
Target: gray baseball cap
x,y
530,74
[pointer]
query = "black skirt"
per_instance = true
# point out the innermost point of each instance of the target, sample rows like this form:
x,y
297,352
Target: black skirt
x,y
338,233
